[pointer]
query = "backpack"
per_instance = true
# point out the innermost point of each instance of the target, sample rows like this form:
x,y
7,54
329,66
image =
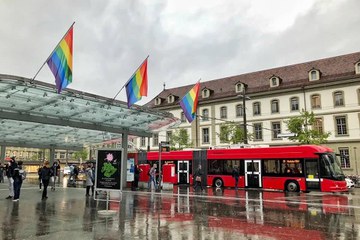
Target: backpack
x,y
22,174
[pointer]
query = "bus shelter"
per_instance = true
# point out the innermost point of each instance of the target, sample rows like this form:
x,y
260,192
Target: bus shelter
x,y
34,115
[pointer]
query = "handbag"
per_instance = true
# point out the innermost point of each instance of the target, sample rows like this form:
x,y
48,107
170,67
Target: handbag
x,y
198,179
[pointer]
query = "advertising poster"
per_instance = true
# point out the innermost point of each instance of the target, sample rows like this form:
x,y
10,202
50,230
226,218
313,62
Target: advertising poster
x,y
108,169
130,170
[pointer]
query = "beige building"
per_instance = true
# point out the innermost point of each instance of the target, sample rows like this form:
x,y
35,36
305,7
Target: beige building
x,y
329,87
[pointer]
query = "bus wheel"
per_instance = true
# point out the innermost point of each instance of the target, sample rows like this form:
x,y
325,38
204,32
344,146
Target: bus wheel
x,y
292,186
218,183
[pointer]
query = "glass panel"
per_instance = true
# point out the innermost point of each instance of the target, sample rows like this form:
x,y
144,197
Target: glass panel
x,y
249,167
312,169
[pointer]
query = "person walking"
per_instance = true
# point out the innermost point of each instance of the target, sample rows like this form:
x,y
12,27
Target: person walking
x,y
135,183
152,177
39,174
46,173
18,177
9,174
1,173
235,174
198,178
89,180
56,171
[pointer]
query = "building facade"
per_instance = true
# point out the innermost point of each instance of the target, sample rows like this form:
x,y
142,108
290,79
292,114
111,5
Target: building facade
x,y
329,87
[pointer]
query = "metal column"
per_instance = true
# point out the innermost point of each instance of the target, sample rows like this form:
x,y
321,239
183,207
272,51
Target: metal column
x,y
124,142
2,154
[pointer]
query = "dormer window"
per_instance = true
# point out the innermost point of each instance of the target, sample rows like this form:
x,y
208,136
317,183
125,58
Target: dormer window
x,y
314,75
205,93
357,67
157,101
170,99
239,87
274,81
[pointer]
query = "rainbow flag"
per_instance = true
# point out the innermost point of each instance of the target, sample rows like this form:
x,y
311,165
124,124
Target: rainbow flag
x,y
60,61
137,86
189,102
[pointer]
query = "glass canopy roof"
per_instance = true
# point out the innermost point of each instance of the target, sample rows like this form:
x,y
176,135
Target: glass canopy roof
x,y
32,114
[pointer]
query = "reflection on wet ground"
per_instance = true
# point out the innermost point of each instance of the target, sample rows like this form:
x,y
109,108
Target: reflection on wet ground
x,y
181,214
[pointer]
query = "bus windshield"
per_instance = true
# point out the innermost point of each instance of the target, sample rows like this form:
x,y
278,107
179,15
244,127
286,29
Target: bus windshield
x,y
332,163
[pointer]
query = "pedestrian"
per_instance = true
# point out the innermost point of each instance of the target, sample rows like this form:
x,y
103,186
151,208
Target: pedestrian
x,y
152,177
93,169
56,171
89,180
1,173
135,183
18,177
198,178
9,174
235,174
39,175
46,173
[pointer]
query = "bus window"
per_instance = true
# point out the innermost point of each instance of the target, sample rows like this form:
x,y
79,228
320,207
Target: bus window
x,y
271,167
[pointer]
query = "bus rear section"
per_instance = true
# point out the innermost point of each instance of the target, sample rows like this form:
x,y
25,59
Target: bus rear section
x,y
290,168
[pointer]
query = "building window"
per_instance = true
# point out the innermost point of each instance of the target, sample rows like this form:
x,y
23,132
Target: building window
x,y
256,108
315,101
205,114
258,131
239,110
318,125
344,157
294,102
274,82
223,112
155,139
338,99
314,75
239,87
168,136
357,68
205,93
275,106
341,126
62,155
182,117
205,135
171,99
157,101
142,142
276,129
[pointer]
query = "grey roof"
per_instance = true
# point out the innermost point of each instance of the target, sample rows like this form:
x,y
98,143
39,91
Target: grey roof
x,y
32,114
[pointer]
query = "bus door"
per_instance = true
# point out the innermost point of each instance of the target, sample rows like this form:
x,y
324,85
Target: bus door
x,y
183,172
253,173
312,174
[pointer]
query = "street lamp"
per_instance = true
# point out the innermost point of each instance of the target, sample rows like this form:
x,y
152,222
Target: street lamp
x,y
244,98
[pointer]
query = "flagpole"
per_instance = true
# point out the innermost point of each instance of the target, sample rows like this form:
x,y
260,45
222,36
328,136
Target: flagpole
x,y
130,77
52,52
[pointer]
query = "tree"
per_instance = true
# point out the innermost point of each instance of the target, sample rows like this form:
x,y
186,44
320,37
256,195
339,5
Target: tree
x,y
181,138
305,133
232,133
83,154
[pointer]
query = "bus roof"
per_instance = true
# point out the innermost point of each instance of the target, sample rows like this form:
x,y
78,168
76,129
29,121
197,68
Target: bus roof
x,y
303,151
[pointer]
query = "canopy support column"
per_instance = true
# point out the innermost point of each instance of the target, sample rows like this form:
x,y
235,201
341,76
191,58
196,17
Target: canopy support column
x,y
2,153
124,143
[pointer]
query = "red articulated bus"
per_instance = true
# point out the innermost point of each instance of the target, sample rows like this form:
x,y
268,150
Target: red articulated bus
x,y
288,168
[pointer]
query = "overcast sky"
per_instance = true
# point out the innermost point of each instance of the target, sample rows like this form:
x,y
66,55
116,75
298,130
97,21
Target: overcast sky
x,y
186,40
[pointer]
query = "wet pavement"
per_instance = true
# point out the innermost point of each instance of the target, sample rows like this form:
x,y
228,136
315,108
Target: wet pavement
x,y
180,214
